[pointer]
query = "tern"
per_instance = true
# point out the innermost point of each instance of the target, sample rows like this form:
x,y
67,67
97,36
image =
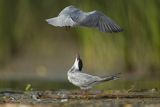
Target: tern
x,y
71,17
83,80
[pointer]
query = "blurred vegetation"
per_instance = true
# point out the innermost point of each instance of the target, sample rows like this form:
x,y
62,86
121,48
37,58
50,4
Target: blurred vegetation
x,y
25,35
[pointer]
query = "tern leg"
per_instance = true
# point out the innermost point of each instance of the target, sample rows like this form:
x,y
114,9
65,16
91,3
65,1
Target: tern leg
x,y
85,94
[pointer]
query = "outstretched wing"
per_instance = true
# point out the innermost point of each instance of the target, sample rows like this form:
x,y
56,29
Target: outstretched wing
x,y
101,21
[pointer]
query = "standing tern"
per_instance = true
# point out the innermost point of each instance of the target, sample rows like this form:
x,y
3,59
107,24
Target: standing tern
x,y
71,16
83,80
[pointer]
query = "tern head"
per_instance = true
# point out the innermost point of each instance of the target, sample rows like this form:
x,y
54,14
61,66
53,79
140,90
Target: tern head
x,y
78,63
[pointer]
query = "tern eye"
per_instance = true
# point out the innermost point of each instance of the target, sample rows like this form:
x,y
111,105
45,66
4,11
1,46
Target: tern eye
x,y
80,64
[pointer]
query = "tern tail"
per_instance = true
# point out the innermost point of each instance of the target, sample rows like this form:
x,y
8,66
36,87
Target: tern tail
x,y
111,77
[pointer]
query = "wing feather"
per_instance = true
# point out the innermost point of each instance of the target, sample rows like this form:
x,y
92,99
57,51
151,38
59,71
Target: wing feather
x,y
85,79
111,26
99,20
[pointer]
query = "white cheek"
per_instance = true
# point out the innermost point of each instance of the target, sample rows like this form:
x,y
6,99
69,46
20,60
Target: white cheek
x,y
76,65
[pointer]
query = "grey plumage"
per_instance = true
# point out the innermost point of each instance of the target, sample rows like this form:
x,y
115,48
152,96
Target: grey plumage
x,y
86,81
71,16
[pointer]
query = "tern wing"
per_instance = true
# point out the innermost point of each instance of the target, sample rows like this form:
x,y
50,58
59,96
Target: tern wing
x,y
84,79
111,77
99,20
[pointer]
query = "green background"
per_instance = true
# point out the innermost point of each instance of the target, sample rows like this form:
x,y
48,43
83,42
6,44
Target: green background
x,y
31,51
